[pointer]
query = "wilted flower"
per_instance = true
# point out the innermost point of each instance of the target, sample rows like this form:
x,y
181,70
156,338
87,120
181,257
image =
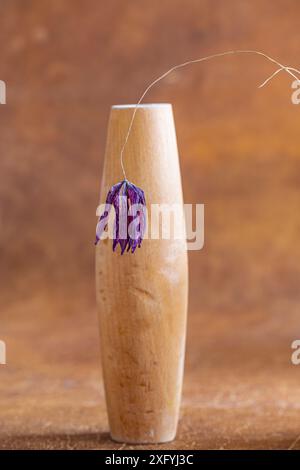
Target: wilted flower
x,y
130,209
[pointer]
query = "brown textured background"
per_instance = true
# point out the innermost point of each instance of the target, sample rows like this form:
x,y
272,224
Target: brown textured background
x,y
65,63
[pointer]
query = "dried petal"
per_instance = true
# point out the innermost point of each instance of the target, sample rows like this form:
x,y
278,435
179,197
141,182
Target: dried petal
x,y
130,225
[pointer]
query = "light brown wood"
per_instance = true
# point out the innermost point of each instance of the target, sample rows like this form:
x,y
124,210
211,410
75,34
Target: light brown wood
x,y
142,297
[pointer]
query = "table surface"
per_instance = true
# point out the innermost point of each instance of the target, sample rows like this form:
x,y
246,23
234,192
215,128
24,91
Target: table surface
x,y
240,392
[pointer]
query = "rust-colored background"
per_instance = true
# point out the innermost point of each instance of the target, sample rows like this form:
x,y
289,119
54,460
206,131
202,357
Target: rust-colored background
x,y
65,63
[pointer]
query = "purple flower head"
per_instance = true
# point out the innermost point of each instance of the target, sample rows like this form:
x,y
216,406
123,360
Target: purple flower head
x,y
130,209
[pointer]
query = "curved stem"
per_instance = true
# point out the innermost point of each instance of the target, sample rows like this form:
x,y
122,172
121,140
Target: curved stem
x,y
291,71
287,69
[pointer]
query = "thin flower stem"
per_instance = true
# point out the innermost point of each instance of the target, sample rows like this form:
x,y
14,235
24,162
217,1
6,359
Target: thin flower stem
x,y
270,77
291,71
287,69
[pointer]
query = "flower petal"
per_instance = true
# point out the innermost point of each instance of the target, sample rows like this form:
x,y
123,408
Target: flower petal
x,y
122,196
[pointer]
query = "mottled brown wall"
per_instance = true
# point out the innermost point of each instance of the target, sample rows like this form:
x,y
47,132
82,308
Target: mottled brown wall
x,y
65,63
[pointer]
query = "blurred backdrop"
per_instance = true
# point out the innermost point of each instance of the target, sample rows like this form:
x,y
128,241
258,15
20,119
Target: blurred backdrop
x,y
65,63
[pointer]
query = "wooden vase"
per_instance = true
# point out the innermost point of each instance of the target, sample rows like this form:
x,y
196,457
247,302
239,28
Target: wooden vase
x,y
142,297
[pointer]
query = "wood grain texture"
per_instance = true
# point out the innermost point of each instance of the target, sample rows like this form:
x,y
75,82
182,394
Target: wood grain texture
x,y
142,297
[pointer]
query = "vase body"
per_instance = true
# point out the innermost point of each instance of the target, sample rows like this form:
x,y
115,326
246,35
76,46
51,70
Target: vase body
x,y
142,297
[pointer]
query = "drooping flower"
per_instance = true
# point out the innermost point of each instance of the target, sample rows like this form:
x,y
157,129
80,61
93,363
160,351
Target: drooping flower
x,y
129,204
